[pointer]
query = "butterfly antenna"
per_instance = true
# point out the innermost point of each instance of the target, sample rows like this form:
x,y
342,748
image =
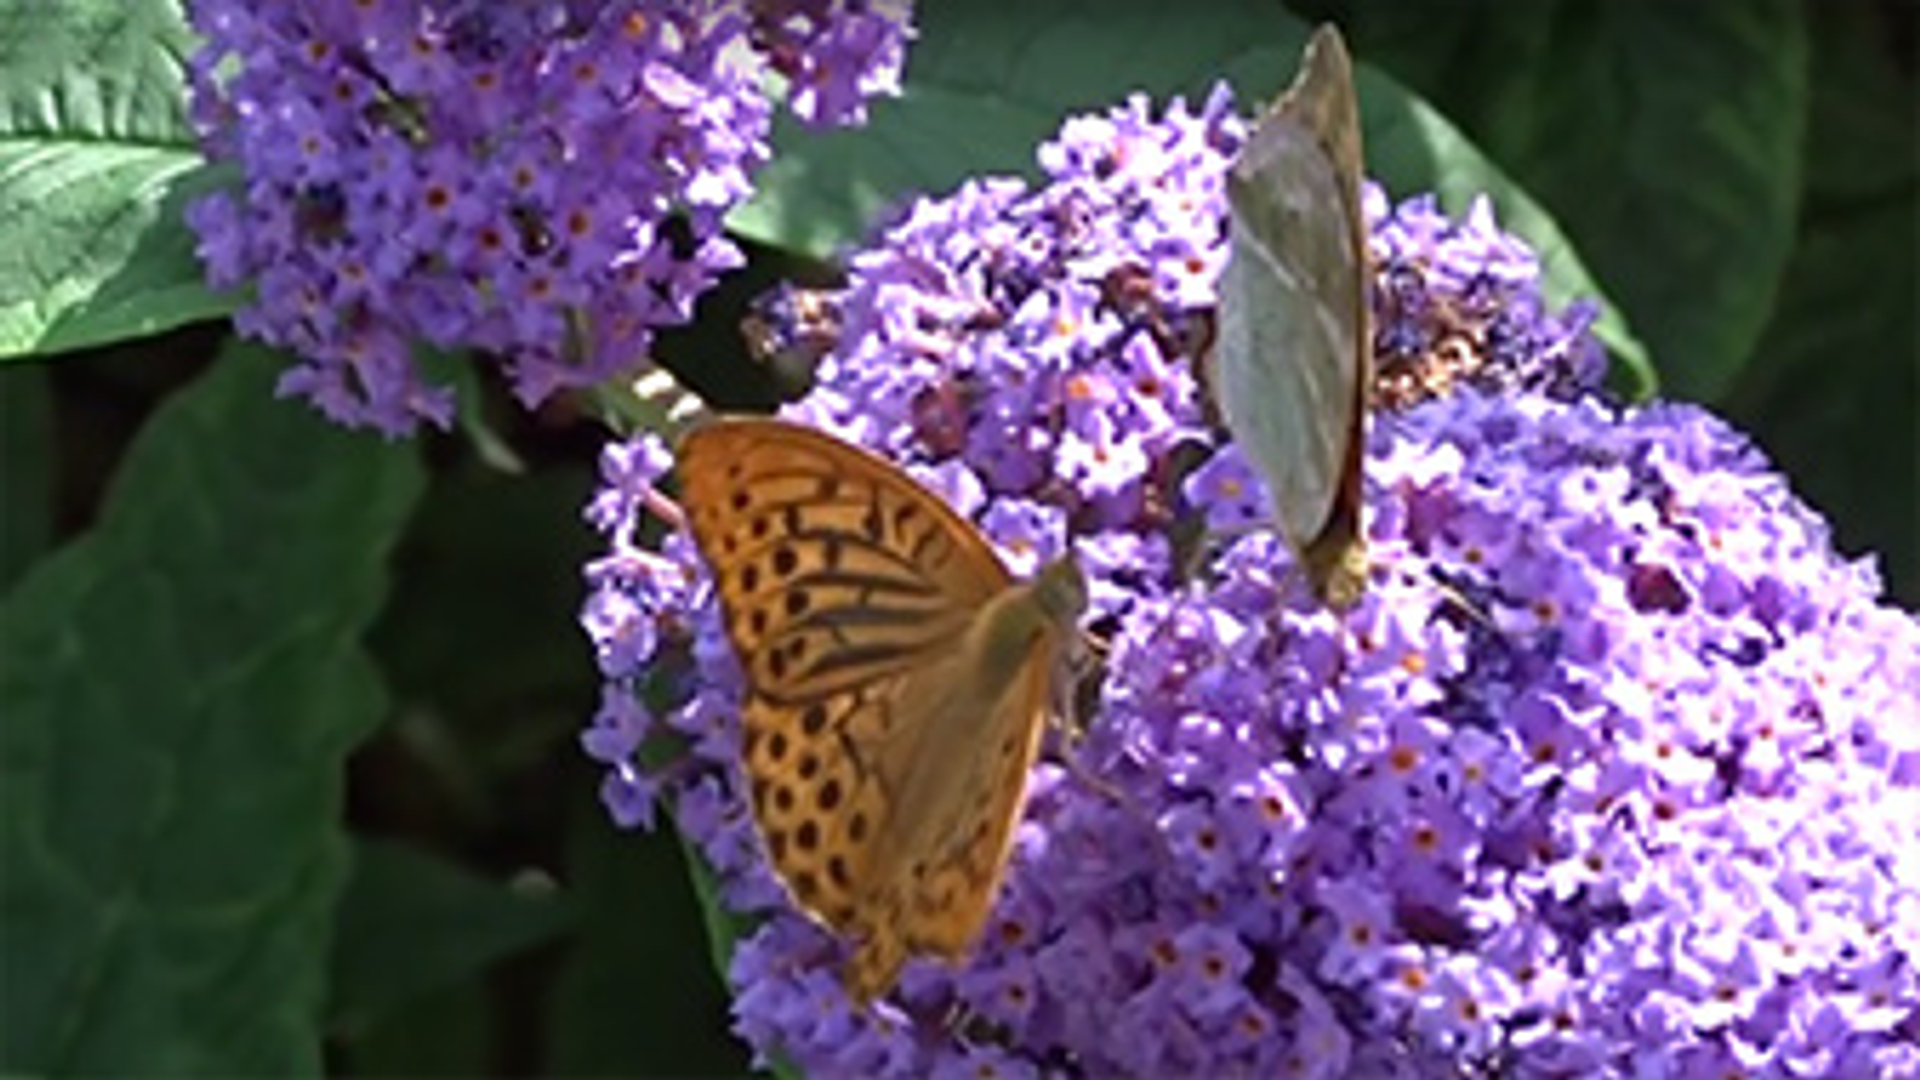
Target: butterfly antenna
x,y
659,505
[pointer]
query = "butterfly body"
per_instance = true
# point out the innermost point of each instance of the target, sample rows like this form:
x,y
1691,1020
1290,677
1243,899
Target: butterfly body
x,y
1293,358
898,683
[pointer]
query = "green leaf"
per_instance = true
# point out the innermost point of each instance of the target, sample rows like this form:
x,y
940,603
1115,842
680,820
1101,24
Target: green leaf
x,y
1835,385
97,163
456,1032
459,370
509,649
986,84
1665,137
412,924
182,686
637,994
724,928
26,470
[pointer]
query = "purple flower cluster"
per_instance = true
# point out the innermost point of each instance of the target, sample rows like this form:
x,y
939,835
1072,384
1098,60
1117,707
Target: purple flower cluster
x,y
834,54
1614,770
1459,304
544,182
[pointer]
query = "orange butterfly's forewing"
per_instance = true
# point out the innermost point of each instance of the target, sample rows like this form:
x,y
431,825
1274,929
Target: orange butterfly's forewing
x,y
813,541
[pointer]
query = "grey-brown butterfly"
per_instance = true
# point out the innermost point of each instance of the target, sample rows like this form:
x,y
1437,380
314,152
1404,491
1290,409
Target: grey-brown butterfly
x,y
1292,362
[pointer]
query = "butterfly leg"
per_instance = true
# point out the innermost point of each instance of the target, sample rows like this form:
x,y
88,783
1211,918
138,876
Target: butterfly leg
x,y
1067,721
1077,688
1067,735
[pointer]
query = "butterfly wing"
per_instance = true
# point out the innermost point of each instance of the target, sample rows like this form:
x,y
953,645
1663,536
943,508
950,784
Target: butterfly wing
x,y
1293,353
833,566
940,899
848,592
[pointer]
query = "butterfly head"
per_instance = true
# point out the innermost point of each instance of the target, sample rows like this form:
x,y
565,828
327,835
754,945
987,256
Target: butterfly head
x,y
1061,591
1337,572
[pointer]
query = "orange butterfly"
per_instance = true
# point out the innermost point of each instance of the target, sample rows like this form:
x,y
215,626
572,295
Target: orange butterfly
x,y
899,680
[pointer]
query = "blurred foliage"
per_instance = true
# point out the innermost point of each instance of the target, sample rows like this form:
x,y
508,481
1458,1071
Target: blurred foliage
x,y
182,684
288,722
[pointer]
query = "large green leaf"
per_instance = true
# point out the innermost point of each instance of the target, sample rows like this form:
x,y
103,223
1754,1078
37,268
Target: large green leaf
x,y
987,83
182,685
412,924
455,1032
483,624
489,673
1665,138
637,994
1834,389
26,470
97,163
